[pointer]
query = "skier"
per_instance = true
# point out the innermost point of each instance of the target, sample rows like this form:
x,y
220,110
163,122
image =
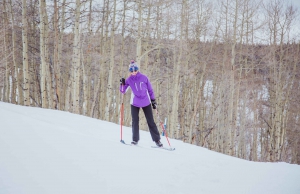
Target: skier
x,y
142,96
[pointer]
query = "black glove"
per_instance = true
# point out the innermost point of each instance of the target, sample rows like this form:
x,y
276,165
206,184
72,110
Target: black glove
x,y
122,81
153,102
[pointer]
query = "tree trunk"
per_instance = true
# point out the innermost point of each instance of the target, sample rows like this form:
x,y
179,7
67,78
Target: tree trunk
x,y
42,53
15,81
76,61
26,81
7,84
56,61
110,88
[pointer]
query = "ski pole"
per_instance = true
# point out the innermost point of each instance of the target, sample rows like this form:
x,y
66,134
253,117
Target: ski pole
x,y
121,113
162,126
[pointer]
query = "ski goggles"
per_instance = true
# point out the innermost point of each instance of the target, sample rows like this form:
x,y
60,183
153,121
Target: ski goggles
x,y
133,69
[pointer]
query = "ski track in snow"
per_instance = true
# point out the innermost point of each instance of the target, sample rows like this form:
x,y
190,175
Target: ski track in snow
x,y
50,151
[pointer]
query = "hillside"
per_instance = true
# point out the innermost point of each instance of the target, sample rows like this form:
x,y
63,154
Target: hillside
x,y
49,151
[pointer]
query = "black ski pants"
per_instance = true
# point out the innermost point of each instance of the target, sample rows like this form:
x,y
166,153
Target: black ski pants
x,y
150,120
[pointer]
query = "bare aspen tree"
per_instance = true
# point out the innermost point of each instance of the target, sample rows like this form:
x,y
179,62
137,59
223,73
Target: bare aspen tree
x,y
7,85
102,104
15,81
87,67
98,78
232,82
26,80
76,60
49,72
176,77
68,85
109,92
34,65
60,73
42,53
56,60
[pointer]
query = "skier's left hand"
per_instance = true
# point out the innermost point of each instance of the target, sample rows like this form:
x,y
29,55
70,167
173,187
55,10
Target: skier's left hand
x,y
122,81
153,102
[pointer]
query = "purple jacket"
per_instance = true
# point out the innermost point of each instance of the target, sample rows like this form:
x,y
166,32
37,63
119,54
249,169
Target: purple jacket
x,y
142,91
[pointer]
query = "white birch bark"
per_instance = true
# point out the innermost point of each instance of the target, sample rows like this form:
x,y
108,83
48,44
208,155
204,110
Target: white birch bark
x,y
26,80
7,85
109,92
76,60
15,80
56,61
62,92
42,54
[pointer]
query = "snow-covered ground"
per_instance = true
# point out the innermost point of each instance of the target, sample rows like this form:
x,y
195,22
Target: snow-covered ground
x,y
48,151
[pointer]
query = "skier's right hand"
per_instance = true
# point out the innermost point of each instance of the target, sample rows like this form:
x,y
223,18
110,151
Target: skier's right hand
x,y
122,81
153,102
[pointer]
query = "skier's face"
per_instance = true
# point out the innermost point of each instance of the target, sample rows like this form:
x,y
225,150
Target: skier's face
x,y
133,73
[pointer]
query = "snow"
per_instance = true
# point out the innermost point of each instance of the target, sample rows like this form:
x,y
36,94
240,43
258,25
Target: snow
x,y
50,151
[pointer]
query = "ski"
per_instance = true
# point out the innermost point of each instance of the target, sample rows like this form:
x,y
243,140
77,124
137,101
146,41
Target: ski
x,y
123,142
130,144
165,148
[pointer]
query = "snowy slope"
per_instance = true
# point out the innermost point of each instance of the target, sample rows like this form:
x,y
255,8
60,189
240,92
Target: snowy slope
x,y
47,151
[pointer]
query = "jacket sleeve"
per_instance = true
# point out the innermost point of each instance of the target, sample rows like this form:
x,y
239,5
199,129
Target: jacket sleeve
x,y
123,88
150,90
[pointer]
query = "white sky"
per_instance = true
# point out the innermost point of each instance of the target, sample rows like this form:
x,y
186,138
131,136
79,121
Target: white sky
x,y
296,3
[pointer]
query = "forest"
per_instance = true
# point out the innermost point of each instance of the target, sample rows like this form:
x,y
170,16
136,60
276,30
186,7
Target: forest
x,y
226,73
